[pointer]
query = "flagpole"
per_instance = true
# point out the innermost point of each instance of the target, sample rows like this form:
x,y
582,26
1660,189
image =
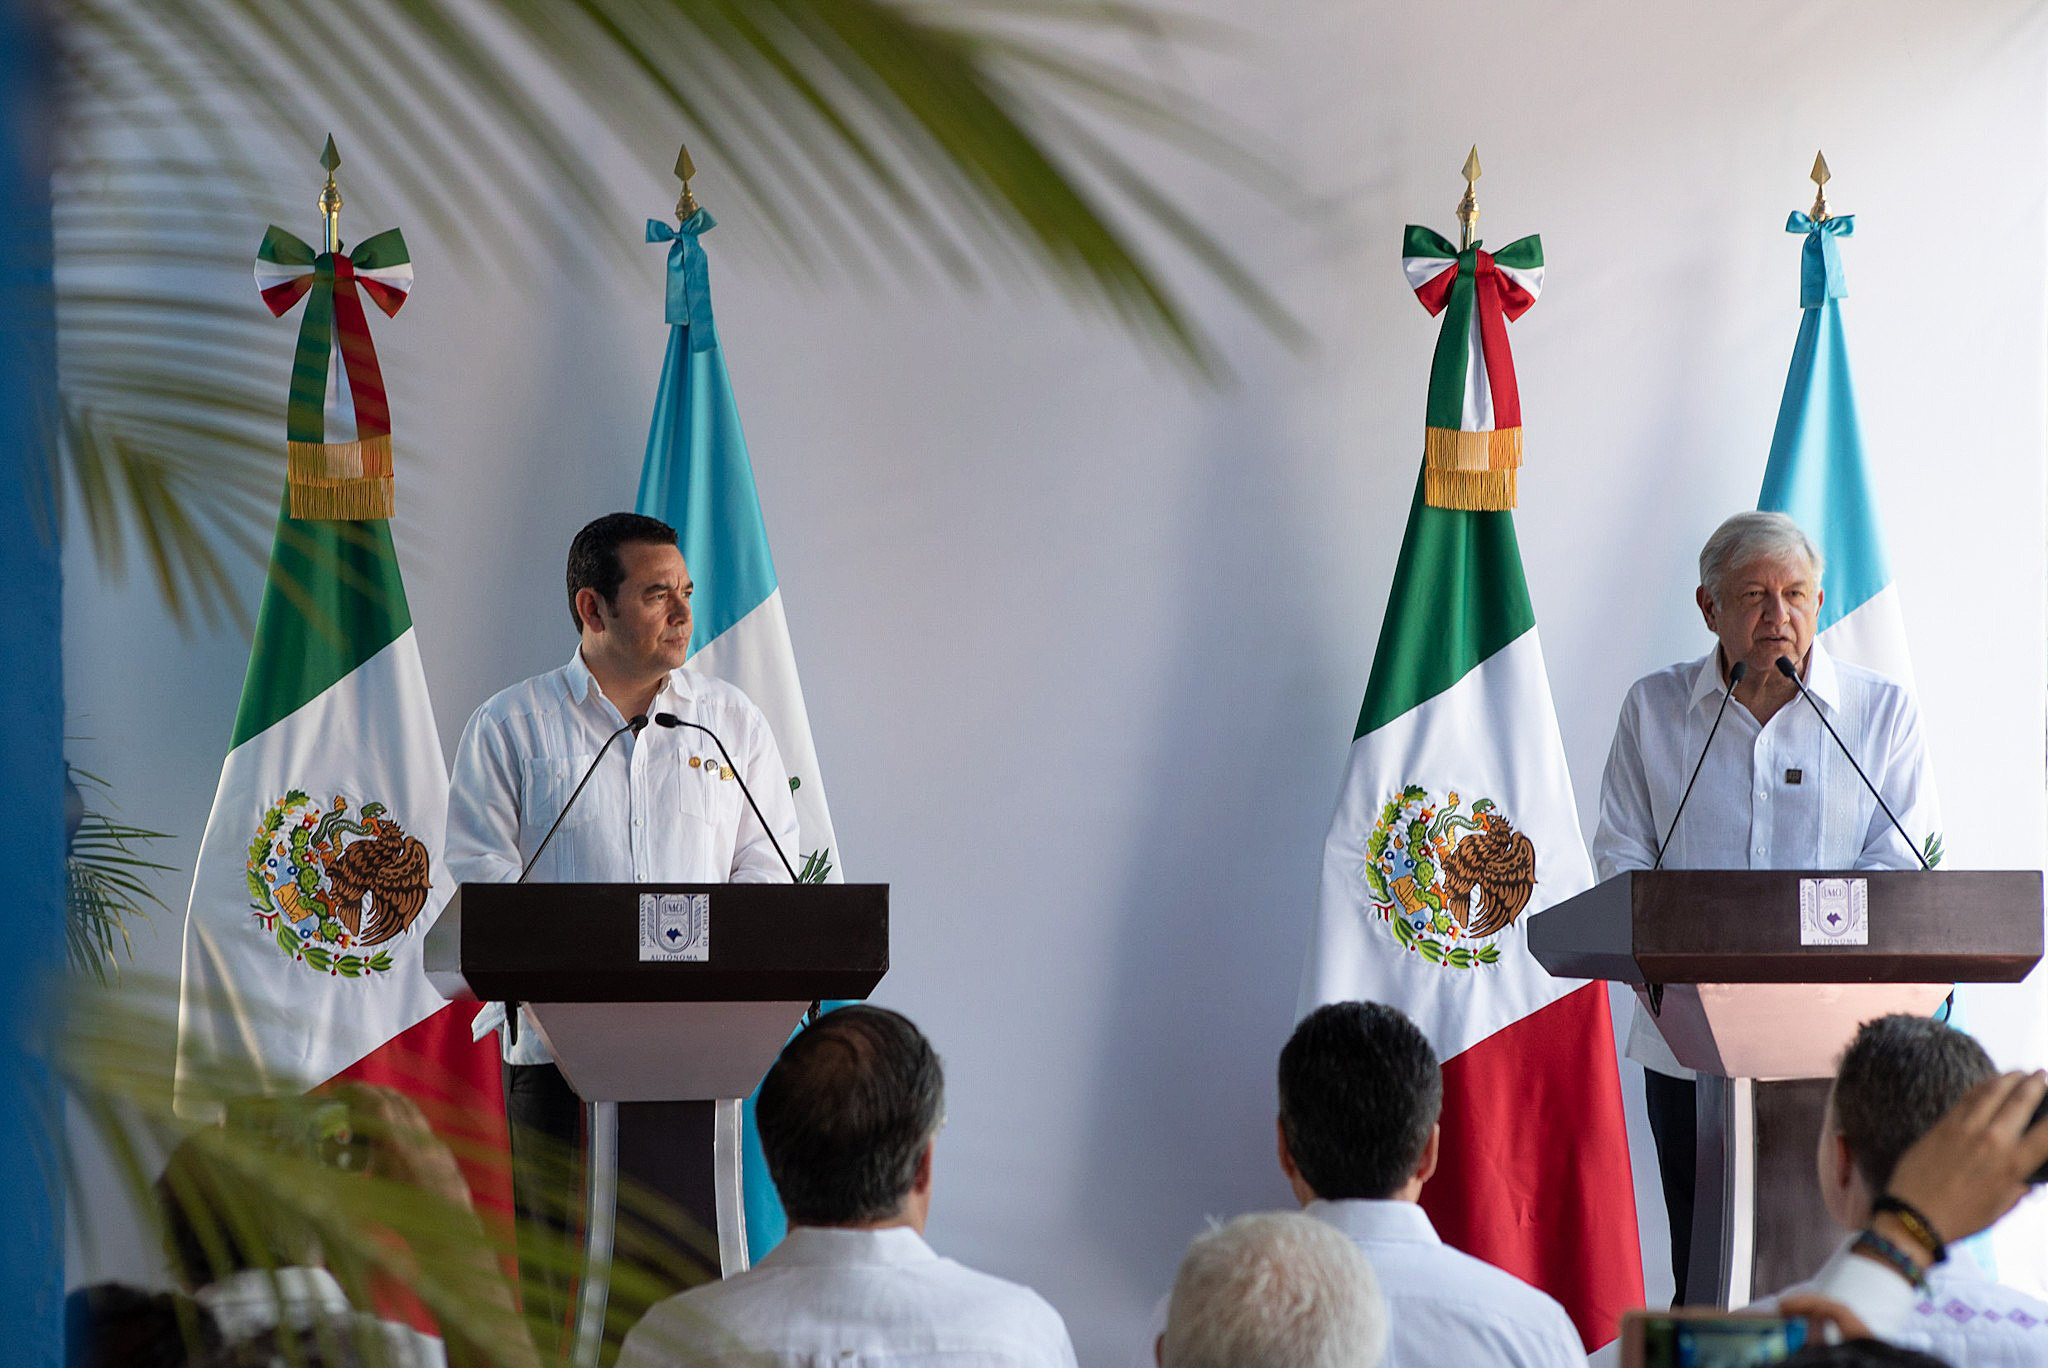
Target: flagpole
x,y
686,205
1820,176
1468,206
330,199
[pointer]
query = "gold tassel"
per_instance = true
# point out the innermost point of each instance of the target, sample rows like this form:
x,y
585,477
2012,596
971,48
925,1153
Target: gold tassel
x,y
1478,491
341,481
1488,449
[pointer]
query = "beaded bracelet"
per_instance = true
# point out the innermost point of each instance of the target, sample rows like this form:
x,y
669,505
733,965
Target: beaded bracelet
x,y
1916,1223
1870,1242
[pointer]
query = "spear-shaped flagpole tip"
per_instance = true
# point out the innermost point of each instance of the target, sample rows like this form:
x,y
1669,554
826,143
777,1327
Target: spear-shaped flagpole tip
x,y
1820,176
1468,207
685,168
330,199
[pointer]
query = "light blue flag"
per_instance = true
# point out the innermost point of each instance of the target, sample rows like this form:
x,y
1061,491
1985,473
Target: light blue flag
x,y
1816,471
697,478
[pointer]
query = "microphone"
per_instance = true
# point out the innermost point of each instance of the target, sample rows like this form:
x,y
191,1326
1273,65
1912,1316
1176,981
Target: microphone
x,y
635,725
1735,674
1791,672
663,719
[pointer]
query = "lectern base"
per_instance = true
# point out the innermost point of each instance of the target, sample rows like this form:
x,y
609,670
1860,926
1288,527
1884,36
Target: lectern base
x,y
686,1155
1758,1220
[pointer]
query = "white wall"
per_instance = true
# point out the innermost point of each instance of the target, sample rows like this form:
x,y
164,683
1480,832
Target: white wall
x,y
1083,645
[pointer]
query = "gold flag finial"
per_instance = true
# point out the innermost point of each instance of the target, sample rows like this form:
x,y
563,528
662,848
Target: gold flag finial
x,y
330,199
1820,176
1468,207
685,168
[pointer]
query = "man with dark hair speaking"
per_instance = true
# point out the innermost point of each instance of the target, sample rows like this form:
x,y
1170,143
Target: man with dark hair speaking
x,y
662,806
1360,1093
848,1117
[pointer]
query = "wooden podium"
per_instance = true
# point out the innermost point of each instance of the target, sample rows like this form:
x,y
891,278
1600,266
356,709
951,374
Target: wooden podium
x,y
1762,975
663,1004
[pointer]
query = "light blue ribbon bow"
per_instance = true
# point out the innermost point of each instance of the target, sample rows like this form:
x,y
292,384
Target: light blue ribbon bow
x,y
1821,277
689,277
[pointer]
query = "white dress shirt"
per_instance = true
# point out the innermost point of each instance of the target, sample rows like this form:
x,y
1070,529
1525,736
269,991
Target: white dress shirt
x,y
1962,1318
1772,795
1444,1306
858,1298
663,807
257,1301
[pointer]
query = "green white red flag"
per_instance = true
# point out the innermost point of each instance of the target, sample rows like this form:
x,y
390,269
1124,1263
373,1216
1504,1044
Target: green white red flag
x,y
1455,824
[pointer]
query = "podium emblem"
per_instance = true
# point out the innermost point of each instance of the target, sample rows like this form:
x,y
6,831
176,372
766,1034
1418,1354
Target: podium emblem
x,y
1834,912
1447,882
329,883
675,927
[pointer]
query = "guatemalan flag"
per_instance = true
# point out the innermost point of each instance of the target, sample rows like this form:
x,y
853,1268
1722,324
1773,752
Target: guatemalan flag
x,y
1816,473
697,478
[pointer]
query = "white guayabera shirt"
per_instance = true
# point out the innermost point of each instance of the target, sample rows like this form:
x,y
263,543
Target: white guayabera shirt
x,y
871,1298
1773,795
663,807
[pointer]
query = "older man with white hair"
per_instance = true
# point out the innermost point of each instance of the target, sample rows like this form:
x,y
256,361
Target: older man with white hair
x,y
1773,791
1276,1289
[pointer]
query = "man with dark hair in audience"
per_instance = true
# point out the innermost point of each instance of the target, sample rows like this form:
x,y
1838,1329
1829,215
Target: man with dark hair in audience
x,y
1899,1076
1360,1094
848,1116
114,1325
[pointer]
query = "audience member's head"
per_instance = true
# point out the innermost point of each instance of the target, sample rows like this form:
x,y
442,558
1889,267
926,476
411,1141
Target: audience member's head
x,y
113,1325
1861,1353
1360,1092
1897,1078
1274,1290
847,1117
320,1344
212,1230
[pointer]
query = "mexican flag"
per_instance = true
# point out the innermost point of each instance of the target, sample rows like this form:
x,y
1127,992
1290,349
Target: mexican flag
x,y
697,477
319,873
1455,824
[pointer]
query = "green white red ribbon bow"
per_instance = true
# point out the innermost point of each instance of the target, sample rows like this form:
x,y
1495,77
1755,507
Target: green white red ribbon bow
x,y
336,480
1472,446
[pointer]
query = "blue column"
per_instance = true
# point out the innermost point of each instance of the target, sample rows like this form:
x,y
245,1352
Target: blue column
x,y
31,700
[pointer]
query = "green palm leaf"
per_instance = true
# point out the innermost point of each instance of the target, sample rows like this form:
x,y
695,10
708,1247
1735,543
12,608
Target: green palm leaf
x,y
865,139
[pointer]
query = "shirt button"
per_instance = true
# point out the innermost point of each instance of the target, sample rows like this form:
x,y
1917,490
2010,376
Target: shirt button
x,y
1759,850
1763,795
639,821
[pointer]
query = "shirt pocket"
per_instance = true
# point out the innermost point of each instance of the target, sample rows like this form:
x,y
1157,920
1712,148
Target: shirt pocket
x,y
547,781
706,797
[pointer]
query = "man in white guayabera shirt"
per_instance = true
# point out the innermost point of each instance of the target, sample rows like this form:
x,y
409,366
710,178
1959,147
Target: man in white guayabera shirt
x,y
661,806
848,1118
1774,790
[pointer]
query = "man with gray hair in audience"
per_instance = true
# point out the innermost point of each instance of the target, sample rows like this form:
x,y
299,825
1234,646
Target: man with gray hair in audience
x,y
848,1117
1274,1290
1773,789
1899,1076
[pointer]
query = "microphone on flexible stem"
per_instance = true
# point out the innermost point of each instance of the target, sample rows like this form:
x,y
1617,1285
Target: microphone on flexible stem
x,y
635,725
1791,672
1735,674
662,719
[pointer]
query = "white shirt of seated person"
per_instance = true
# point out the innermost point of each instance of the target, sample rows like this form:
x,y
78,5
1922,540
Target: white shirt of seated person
x,y
873,1295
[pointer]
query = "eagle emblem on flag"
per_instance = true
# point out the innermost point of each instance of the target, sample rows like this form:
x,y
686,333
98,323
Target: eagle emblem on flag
x,y
331,887
1445,881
